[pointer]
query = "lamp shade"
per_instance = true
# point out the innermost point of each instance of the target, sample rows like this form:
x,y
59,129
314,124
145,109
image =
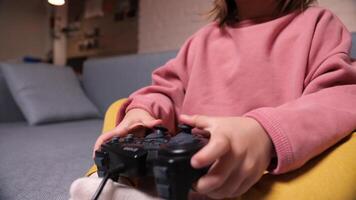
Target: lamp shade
x,y
56,2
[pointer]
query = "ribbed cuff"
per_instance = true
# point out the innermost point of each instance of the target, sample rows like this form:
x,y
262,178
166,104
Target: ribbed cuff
x,y
279,138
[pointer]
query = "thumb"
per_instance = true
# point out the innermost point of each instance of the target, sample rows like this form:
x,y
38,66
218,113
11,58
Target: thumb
x,y
215,149
121,130
197,121
152,123
140,127
145,124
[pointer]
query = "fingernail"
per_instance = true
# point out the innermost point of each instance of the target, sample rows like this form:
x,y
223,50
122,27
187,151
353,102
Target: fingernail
x,y
158,121
184,116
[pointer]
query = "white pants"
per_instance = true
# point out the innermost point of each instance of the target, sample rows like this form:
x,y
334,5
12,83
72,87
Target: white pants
x,y
84,189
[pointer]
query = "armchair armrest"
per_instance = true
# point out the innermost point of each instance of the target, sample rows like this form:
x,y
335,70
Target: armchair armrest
x,y
110,120
111,115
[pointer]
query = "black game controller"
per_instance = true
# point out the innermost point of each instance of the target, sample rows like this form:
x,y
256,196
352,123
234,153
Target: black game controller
x,y
165,158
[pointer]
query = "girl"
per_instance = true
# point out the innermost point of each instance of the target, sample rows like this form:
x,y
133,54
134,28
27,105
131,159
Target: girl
x,y
270,81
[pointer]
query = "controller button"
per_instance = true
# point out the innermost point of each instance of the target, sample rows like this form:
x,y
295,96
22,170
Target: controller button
x,y
160,131
163,191
129,138
115,140
179,151
185,128
160,128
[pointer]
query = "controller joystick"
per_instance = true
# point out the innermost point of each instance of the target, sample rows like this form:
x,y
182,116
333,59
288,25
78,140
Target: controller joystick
x,y
160,130
115,140
157,132
185,128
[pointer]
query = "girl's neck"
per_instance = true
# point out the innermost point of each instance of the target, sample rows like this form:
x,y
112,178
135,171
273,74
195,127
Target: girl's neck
x,y
255,9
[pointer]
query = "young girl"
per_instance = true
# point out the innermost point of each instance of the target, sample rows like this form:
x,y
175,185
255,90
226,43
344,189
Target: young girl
x,y
270,81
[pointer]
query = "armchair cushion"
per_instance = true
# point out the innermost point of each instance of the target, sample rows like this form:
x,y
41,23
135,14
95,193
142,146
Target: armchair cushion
x,y
110,120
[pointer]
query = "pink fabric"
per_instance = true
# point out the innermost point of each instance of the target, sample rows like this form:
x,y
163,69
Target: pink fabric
x,y
292,74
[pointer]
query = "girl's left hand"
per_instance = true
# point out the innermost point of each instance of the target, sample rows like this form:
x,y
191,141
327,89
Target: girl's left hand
x,y
239,151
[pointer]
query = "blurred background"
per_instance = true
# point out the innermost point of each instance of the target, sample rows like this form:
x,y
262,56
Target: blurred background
x,y
74,30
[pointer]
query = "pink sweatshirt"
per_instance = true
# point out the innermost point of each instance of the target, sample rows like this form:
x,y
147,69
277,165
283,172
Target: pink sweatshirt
x,y
292,74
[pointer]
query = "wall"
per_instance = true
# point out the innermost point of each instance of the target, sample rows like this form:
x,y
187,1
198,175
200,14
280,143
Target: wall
x,y
344,9
163,24
24,29
108,34
166,24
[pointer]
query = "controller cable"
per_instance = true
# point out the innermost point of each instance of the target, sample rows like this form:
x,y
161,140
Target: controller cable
x,y
118,169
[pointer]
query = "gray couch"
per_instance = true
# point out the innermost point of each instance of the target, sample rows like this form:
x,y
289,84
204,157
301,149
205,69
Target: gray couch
x,y
40,162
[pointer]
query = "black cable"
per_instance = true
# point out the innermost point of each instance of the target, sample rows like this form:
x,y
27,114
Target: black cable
x,y
101,187
105,179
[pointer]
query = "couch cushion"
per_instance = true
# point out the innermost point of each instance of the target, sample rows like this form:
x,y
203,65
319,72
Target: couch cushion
x,y
46,93
40,162
107,79
9,111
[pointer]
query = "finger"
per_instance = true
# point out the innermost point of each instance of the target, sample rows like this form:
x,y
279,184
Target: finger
x,y
121,130
197,196
243,187
197,121
230,187
216,176
139,128
152,123
247,184
145,124
216,147
201,132
239,182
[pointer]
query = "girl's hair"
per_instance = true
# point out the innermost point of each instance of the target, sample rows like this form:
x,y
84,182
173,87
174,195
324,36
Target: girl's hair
x,y
225,11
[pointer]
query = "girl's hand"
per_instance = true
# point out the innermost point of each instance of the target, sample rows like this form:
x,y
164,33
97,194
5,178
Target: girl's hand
x,y
239,151
136,118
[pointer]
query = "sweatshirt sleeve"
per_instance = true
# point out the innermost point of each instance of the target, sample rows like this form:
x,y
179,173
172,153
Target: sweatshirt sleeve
x,y
326,111
165,95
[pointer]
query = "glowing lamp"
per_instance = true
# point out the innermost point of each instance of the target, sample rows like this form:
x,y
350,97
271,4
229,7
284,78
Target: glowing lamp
x,y
56,2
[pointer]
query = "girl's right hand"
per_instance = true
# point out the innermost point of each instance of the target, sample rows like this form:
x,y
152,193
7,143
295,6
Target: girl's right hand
x,y
136,118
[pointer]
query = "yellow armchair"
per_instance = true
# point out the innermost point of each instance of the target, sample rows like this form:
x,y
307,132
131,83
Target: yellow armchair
x,y
331,175
110,120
